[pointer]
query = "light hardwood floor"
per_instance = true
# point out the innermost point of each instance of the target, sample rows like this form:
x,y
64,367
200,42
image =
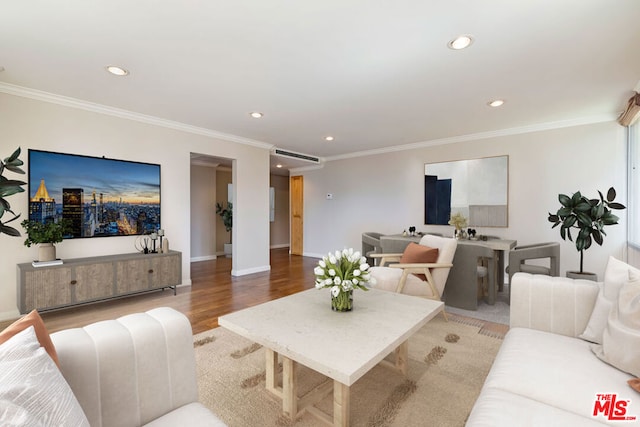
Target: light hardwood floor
x,y
213,292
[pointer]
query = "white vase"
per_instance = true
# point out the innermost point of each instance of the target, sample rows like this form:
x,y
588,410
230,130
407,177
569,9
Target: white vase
x,y
46,252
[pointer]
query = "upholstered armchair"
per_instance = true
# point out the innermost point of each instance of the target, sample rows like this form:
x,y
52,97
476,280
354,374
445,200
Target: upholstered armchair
x,y
470,278
520,254
421,270
370,245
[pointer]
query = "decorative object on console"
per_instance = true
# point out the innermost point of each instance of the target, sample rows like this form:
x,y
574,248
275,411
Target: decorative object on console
x,y
459,222
589,216
9,187
412,231
472,234
45,235
342,272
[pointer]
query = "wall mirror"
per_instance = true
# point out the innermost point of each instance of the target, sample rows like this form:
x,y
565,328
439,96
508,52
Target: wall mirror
x,y
477,188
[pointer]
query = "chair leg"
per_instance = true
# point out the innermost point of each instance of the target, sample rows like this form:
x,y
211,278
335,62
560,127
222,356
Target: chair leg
x,y
444,314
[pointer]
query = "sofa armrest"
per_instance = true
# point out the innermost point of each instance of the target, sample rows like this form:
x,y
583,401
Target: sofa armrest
x,y
552,304
132,370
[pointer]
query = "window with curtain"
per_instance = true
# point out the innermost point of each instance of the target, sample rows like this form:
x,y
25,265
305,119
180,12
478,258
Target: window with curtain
x,y
634,185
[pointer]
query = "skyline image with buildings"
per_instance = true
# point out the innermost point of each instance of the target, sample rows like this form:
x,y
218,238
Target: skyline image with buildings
x,y
98,196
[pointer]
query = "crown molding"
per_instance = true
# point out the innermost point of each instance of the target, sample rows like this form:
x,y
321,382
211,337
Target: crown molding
x,y
125,114
481,135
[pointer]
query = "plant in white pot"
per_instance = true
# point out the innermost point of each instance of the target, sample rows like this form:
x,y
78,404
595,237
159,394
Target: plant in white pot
x,y
45,235
589,217
227,219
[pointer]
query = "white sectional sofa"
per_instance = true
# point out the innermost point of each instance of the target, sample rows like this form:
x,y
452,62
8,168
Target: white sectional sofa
x,y
544,374
133,371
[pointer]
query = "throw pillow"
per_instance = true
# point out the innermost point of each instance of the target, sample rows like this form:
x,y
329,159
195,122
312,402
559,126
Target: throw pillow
x,y
616,274
32,319
32,389
598,320
621,338
419,254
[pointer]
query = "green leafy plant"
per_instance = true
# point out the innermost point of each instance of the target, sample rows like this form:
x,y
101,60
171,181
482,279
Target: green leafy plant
x,y
588,216
227,216
47,232
9,187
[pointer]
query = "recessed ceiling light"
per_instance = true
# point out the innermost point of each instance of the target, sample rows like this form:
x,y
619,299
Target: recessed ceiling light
x,y
328,138
256,115
495,103
117,71
278,165
460,42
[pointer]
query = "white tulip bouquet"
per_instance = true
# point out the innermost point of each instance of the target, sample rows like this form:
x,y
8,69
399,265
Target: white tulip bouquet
x,y
343,272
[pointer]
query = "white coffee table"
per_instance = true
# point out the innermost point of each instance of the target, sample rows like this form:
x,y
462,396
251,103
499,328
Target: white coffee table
x,y
302,328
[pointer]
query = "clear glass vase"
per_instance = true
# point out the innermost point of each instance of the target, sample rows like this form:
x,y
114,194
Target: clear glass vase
x,y
342,302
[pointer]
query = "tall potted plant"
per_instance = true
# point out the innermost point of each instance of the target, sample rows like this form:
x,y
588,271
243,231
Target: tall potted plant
x,y
9,187
227,219
45,235
589,217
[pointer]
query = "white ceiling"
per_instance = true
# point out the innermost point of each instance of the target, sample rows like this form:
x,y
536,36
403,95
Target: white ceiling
x,y
374,74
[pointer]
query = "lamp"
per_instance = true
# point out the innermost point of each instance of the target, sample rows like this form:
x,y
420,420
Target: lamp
x,y
632,112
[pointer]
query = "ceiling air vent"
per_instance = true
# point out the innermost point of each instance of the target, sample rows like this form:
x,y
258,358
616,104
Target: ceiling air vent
x,y
293,155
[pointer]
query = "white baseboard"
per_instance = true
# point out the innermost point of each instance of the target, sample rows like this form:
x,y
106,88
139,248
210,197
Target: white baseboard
x,y
282,245
250,270
312,255
203,258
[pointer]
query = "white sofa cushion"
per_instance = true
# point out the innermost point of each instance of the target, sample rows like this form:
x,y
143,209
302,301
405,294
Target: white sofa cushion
x,y
192,415
554,371
616,274
621,338
33,392
553,304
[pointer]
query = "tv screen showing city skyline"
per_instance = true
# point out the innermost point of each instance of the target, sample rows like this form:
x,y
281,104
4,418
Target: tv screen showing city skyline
x,y
96,196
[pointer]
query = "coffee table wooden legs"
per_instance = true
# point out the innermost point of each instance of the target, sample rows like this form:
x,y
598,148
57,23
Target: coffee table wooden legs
x,y
292,405
341,404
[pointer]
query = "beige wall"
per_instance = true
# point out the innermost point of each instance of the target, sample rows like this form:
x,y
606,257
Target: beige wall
x,y
385,192
203,208
280,227
31,123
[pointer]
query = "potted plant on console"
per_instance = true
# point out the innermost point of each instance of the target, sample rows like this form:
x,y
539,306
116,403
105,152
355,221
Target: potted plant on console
x,y
45,235
227,219
589,216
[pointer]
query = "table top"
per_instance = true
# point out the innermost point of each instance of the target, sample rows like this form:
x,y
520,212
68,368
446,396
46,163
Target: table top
x,y
495,244
340,345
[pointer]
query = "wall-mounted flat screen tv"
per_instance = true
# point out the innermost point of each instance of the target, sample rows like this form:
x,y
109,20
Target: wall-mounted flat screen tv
x,y
98,197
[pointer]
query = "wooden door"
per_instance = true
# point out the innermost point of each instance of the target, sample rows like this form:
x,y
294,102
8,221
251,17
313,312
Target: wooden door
x,y
297,202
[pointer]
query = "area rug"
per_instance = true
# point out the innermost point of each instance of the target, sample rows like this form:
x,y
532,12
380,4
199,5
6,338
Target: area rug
x,y
448,362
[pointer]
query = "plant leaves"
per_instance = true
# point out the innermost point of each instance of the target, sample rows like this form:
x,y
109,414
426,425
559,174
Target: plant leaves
x,y
611,194
13,156
575,199
569,221
9,230
597,236
15,169
564,200
616,205
582,206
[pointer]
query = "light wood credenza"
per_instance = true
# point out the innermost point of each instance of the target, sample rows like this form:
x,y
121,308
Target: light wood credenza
x,y
86,280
